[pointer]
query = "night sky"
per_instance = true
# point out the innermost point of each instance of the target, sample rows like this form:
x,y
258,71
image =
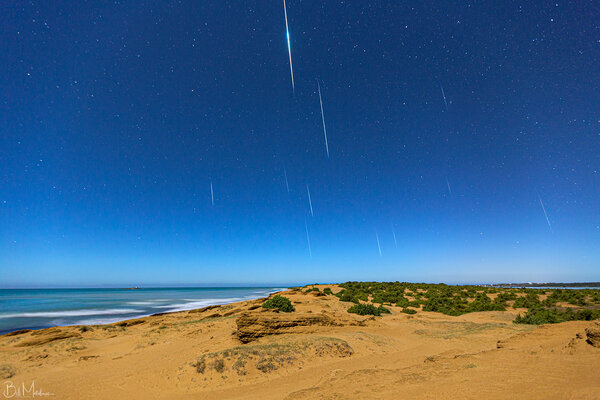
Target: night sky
x,y
116,118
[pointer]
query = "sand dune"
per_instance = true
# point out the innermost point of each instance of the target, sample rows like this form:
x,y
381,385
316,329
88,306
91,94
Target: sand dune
x,y
320,351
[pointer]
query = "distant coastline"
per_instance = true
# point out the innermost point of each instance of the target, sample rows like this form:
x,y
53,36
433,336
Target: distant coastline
x,y
548,285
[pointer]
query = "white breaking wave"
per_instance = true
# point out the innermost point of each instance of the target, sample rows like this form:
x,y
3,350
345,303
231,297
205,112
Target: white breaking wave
x,y
198,304
103,321
71,313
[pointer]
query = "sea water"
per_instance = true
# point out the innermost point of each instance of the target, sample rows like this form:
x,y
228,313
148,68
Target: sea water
x,y
43,308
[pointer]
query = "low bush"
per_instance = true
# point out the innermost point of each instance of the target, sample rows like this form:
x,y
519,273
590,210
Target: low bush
x,y
409,311
327,291
538,316
283,304
368,309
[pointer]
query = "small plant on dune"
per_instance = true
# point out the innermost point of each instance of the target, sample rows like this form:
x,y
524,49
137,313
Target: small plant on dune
x,y
409,311
327,291
368,309
314,289
281,303
200,366
219,365
265,365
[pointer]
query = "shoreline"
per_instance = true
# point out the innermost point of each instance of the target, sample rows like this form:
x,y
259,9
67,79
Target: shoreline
x,y
116,319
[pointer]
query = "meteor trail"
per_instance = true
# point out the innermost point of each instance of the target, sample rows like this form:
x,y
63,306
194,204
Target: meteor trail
x,y
212,194
287,185
444,95
448,183
394,234
378,244
287,31
309,201
545,214
323,119
307,238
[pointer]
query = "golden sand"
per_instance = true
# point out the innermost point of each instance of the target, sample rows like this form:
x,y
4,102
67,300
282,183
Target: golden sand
x,y
242,351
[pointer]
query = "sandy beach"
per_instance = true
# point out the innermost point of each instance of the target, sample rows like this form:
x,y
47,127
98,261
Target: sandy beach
x,y
319,351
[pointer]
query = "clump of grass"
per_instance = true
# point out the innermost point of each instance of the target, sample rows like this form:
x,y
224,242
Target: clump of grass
x,y
269,357
314,289
240,366
266,365
407,310
281,303
327,291
85,328
368,309
219,365
200,365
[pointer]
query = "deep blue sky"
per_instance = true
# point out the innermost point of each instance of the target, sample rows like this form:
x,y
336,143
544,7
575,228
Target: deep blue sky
x,y
116,116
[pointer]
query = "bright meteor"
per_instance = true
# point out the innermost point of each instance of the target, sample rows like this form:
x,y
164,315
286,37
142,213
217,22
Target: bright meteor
x,y
323,119
545,214
287,32
309,201
444,95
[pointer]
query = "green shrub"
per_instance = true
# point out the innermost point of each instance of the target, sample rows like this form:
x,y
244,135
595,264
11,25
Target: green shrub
x,y
347,296
531,300
368,309
282,303
409,311
327,291
538,316
314,289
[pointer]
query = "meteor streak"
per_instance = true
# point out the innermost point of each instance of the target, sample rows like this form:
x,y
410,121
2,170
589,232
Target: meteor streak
x,y
394,235
212,194
545,214
309,201
444,95
287,31
448,183
378,244
307,238
287,185
323,119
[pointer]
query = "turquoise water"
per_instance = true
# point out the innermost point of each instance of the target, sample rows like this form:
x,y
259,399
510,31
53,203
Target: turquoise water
x,y
43,308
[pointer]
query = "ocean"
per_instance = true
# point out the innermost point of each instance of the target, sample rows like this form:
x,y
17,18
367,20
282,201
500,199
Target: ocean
x,y
43,308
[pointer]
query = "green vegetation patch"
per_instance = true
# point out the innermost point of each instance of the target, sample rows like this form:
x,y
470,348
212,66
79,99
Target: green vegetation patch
x,y
463,299
368,309
281,303
538,316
